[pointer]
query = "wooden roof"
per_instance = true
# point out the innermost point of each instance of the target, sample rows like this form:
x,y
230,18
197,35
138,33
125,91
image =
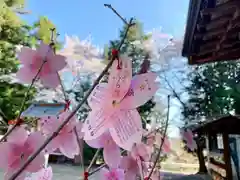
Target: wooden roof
x,y
212,31
226,124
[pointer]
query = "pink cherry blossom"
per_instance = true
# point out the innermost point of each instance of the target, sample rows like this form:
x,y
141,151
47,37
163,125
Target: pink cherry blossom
x,y
66,140
130,165
150,140
111,152
43,174
114,105
112,174
32,61
150,137
141,152
155,138
166,147
187,136
17,149
78,127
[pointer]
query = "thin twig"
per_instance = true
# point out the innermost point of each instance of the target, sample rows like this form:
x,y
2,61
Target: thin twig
x,y
50,138
163,139
93,159
79,145
54,50
110,7
62,87
97,169
59,78
23,103
175,93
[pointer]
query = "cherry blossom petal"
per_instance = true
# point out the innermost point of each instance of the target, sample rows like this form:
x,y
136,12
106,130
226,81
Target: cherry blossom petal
x,y
32,61
15,161
43,174
129,164
6,157
119,173
48,124
130,175
189,138
10,172
26,75
112,155
50,80
18,136
126,128
141,150
192,146
34,141
103,172
26,55
72,123
124,164
150,140
44,50
69,145
47,173
37,163
96,124
143,88
166,147
97,96
96,143
79,127
53,145
57,62
120,79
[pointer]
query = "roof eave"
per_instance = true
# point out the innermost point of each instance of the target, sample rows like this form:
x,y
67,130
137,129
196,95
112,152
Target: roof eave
x,y
193,12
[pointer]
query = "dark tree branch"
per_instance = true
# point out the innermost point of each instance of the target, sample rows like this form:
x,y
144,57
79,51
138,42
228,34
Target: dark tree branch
x,y
110,7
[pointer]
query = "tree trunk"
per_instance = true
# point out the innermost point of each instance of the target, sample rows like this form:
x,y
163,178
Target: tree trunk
x,y
202,165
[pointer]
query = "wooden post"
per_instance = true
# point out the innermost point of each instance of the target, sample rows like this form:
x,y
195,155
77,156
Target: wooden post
x,y
227,157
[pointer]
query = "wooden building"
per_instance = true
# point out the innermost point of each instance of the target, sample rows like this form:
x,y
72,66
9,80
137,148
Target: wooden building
x,y
213,35
212,31
223,154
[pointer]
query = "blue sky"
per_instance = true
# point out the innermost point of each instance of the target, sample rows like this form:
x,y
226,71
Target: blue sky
x,y
82,17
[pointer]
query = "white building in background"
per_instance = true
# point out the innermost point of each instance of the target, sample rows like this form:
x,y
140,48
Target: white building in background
x,y
82,56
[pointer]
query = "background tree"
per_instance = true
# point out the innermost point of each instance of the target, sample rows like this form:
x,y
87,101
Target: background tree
x,y
213,91
15,33
43,31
